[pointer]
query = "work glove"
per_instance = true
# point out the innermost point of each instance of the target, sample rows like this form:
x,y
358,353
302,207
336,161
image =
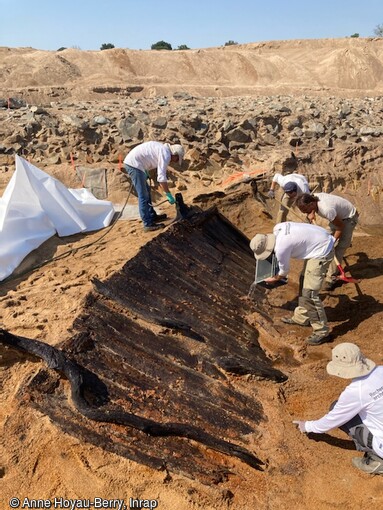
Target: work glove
x,y
271,194
301,425
170,198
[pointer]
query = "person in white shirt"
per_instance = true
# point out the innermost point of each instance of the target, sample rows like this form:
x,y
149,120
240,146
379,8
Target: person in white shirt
x,y
292,185
342,217
138,162
359,409
314,245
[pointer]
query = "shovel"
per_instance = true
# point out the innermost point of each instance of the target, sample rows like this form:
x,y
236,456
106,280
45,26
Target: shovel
x,y
342,277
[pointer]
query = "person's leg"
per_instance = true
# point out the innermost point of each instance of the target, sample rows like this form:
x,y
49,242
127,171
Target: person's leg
x,y
358,432
310,307
138,178
283,211
341,247
362,438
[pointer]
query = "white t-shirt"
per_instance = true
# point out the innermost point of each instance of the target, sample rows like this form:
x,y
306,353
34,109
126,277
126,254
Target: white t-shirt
x,y
300,181
332,206
300,241
149,155
364,396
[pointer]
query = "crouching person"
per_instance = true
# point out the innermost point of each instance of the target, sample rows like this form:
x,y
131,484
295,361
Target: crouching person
x,y
315,246
359,409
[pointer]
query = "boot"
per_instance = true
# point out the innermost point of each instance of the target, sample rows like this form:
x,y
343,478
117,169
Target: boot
x,y
155,226
369,463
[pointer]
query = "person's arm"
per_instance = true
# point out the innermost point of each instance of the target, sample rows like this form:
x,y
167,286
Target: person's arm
x,y
283,258
164,185
346,408
339,227
273,185
164,158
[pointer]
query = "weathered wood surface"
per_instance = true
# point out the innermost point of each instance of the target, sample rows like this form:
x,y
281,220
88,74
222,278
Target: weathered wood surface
x,y
167,338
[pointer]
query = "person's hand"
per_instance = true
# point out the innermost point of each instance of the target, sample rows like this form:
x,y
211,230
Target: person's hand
x,y
301,425
311,217
272,279
170,198
271,194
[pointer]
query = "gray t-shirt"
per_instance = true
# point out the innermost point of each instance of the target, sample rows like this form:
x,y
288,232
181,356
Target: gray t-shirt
x,y
332,206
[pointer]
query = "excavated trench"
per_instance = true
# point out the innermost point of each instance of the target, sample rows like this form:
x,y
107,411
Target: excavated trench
x,y
165,342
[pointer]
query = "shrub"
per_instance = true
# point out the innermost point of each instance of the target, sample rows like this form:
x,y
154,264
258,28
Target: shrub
x,y
107,46
183,47
161,45
378,30
230,43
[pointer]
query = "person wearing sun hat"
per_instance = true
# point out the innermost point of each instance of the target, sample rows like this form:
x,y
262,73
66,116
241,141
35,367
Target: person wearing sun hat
x,y
359,409
292,185
314,245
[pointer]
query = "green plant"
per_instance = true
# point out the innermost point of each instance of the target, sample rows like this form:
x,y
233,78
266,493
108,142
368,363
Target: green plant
x,y
61,49
161,45
378,30
355,35
183,47
107,46
230,43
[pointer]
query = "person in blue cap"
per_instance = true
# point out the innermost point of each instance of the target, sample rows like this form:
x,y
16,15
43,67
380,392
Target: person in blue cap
x,y
292,185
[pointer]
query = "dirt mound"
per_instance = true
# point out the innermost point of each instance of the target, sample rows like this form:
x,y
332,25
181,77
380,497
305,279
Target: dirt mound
x,y
349,67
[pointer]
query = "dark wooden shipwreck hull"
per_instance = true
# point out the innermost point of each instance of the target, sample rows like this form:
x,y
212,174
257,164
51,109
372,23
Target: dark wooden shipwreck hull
x,y
166,340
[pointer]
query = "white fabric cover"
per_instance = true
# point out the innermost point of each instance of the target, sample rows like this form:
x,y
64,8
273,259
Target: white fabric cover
x,y
35,206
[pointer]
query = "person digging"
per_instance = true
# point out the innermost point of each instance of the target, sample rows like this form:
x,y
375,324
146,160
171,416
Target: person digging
x,y
138,162
359,408
315,246
343,218
292,185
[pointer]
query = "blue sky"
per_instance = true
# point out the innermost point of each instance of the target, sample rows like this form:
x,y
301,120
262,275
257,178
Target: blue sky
x,y
137,24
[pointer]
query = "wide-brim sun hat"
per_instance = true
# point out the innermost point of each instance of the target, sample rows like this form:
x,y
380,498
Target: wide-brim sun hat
x,y
262,245
348,362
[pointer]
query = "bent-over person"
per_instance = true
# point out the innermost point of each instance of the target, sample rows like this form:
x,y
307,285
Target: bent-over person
x,y
314,245
292,185
343,218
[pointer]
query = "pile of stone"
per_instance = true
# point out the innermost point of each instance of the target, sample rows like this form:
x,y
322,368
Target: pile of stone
x,y
336,140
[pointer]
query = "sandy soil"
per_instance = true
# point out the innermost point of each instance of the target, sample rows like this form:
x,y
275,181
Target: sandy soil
x,y
39,461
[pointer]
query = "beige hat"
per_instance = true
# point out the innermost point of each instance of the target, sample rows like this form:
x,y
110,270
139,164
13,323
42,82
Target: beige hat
x,y
348,362
177,150
262,245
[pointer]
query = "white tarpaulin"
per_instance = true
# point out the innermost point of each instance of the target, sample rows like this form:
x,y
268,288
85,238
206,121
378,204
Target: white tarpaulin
x,y
35,206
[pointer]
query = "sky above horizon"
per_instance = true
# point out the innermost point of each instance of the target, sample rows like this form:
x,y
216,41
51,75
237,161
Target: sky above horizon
x,y
137,24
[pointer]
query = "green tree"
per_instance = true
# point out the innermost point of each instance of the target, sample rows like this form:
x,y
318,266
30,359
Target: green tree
x,y
161,45
230,43
183,47
107,46
355,35
62,48
378,30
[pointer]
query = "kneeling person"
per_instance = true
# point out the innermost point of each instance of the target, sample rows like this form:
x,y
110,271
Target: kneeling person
x,y
359,409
